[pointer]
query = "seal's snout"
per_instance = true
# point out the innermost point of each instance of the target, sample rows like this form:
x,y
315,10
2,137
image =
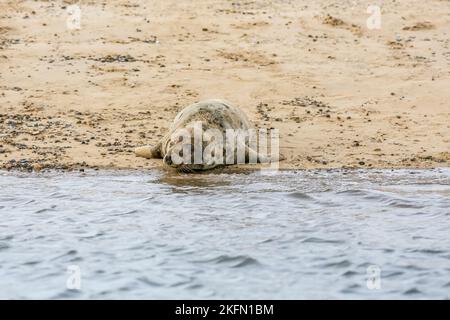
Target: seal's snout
x,y
168,159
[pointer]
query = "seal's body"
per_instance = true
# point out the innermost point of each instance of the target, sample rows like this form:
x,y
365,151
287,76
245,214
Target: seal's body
x,y
207,116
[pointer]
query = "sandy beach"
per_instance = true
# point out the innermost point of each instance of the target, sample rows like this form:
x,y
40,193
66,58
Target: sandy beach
x,y
341,94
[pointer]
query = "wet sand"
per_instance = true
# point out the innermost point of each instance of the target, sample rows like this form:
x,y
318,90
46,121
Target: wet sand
x,y
341,94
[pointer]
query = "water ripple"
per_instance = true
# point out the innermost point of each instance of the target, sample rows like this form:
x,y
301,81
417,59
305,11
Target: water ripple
x,y
306,234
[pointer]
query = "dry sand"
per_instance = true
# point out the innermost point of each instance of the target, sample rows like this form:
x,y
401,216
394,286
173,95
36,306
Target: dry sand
x,y
341,94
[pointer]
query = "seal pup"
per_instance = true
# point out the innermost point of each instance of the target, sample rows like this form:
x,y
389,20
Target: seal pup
x,y
211,120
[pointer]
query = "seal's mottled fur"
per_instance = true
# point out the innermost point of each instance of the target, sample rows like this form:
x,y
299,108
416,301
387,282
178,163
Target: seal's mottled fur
x,y
212,114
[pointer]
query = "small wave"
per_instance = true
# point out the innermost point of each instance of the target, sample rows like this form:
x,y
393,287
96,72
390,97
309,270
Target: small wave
x,y
429,251
71,254
351,288
59,195
149,282
412,291
234,261
300,195
393,274
67,294
382,197
267,241
403,204
353,192
125,213
339,264
349,273
180,283
246,262
96,235
195,286
413,267
46,209
320,240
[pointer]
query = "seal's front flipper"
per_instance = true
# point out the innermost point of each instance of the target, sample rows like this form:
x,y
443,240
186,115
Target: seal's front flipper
x,y
149,152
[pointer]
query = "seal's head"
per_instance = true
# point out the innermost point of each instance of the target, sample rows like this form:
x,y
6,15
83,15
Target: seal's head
x,y
192,149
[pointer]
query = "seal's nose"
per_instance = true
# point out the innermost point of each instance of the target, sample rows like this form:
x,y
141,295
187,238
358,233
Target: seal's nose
x,y
168,159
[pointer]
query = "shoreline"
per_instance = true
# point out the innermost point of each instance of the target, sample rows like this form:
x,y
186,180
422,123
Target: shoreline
x,y
226,170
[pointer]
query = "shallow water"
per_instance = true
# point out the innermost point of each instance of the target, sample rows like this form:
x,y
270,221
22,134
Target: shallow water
x,y
294,235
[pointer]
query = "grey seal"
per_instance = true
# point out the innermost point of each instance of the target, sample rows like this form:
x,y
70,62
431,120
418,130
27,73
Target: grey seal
x,y
214,119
